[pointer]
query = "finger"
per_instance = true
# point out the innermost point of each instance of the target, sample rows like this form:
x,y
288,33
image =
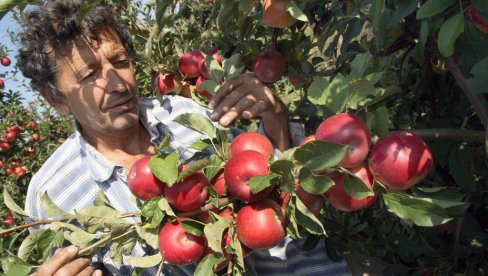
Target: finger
x,y
74,267
227,103
256,109
97,272
61,257
88,271
227,88
236,111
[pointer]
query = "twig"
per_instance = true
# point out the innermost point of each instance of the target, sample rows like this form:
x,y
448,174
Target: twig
x,y
160,268
27,225
478,101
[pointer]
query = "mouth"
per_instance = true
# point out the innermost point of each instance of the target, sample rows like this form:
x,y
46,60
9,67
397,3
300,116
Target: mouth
x,y
121,104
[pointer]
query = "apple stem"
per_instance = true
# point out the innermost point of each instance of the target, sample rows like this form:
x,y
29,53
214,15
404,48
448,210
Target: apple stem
x,y
478,101
475,136
110,236
224,201
27,225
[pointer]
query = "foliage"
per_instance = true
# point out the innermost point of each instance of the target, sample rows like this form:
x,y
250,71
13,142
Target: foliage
x,y
397,64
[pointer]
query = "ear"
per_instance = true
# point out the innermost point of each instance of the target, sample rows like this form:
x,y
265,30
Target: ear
x,y
57,102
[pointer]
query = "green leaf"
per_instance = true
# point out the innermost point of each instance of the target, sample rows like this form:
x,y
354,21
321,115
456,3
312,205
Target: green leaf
x,y
75,235
460,164
52,209
419,50
215,166
47,241
205,266
146,261
233,66
11,204
478,82
377,11
29,243
433,7
214,232
121,246
260,182
193,168
12,265
359,64
379,121
320,155
210,86
333,96
165,207
102,200
84,9
356,188
314,184
421,211
317,91
193,227
449,32
359,91
165,167
285,168
200,145
197,122
149,235
307,219
296,12
215,72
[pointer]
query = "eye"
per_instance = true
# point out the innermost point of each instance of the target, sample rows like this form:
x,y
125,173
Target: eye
x,y
90,76
121,63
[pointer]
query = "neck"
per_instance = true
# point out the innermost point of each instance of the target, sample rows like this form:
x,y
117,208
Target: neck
x,y
124,147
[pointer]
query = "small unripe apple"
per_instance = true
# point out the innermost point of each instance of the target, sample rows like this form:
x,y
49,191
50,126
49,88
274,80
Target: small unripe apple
x,y
242,167
261,225
275,14
201,64
270,66
345,128
5,61
179,247
400,160
251,141
188,63
339,198
189,193
142,182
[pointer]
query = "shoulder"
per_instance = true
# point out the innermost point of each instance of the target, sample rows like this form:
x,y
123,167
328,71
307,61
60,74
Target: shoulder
x,y
61,176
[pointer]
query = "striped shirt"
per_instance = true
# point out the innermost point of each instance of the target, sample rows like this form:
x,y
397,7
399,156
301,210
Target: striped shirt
x,y
76,172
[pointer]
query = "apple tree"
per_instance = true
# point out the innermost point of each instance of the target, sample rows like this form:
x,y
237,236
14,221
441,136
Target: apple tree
x,y
409,75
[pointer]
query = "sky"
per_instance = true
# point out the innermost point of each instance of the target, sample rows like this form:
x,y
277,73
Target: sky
x,y
9,24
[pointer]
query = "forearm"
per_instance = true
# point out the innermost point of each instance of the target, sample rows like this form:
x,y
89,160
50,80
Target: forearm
x,y
276,126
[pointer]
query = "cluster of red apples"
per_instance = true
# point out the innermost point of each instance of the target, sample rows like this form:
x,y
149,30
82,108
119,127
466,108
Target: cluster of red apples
x,y
5,61
259,219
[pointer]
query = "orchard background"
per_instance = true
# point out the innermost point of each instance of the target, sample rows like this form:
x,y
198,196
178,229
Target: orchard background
x,y
396,64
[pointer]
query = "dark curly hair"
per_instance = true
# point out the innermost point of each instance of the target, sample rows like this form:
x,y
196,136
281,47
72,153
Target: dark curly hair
x,y
49,27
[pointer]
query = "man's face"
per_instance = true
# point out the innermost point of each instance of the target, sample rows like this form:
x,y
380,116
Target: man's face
x,y
98,84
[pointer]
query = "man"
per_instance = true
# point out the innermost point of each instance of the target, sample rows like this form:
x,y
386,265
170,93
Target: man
x,y
87,71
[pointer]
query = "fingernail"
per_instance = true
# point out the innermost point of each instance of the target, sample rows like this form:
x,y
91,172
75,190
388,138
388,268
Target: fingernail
x,y
73,249
214,115
211,104
224,121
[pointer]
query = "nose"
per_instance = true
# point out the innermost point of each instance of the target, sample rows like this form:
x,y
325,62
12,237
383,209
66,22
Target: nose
x,y
115,83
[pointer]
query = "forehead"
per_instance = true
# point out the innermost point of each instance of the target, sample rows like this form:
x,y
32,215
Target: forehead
x,y
83,51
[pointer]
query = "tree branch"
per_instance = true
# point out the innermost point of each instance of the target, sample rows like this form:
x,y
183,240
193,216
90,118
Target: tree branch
x,y
478,101
475,136
207,207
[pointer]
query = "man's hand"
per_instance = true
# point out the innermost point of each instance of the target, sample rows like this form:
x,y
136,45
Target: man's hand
x,y
246,97
65,262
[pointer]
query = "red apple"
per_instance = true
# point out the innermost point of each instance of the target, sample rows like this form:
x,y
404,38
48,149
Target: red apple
x,y
32,124
9,220
275,14
200,91
2,84
219,184
261,225
239,169
302,82
307,139
472,15
142,182
1,164
15,128
251,141
345,128
179,247
188,63
400,160
4,146
338,197
314,203
10,136
5,61
20,171
270,66
35,137
189,193
168,83
201,64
